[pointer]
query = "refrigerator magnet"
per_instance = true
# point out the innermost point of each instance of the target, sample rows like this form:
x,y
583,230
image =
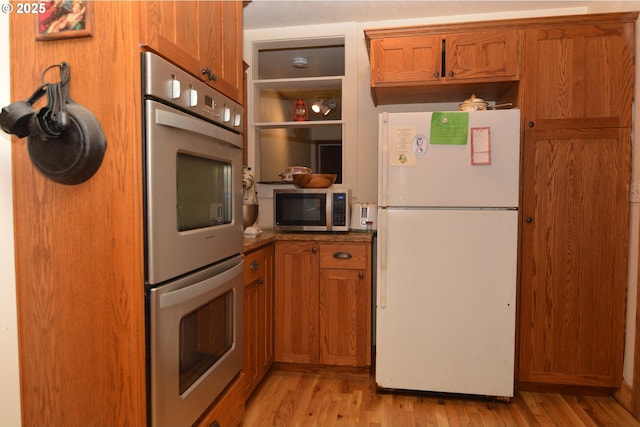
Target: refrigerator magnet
x,y
449,128
401,146
480,146
419,145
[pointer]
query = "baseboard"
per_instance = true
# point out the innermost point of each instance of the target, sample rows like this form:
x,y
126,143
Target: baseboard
x,y
623,395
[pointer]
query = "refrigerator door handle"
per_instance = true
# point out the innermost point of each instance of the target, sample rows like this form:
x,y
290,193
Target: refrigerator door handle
x,y
382,258
383,161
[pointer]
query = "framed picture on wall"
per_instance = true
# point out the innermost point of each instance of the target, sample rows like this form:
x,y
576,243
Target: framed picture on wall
x,y
63,19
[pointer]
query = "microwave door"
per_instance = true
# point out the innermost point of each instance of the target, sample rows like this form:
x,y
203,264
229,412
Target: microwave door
x,y
302,211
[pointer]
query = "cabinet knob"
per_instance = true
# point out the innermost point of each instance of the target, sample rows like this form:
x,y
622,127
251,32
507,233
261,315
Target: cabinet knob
x,y
211,76
314,250
450,73
342,255
254,265
531,124
260,282
529,220
436,74
361,275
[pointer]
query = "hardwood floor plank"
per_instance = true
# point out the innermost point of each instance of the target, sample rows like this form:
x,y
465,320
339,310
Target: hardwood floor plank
x,y
326,399
604,414
429,414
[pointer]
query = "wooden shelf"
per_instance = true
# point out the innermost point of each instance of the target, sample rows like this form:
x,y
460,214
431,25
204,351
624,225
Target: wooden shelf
x,y
305,124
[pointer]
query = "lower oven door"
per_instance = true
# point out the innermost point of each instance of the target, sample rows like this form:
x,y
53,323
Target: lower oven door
x,y
195,341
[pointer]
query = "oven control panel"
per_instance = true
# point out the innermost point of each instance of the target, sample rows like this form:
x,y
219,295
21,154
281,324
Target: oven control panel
x,y
165,81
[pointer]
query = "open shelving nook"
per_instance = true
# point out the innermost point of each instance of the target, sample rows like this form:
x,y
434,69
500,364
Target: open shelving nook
x,y
299,72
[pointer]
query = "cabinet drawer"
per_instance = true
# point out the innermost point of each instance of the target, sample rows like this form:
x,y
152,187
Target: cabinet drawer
x,y
343,255
254,266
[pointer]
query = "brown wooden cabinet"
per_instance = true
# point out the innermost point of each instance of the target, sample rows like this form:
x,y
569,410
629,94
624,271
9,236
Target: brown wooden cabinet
x,y
405,59
482,56
229,409
80,283
577,91
488,55
420,64
258,315
345,304
296,302
322,303
581,75
574,256
203,37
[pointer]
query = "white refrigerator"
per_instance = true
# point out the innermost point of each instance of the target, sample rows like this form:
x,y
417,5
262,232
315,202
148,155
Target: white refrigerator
x,y
447,251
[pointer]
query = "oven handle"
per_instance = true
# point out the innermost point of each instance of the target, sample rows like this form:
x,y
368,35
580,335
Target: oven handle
x,y
218,277
188,123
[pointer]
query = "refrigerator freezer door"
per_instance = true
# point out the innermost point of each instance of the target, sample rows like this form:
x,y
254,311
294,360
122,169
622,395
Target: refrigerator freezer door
x,y
442,174
447,283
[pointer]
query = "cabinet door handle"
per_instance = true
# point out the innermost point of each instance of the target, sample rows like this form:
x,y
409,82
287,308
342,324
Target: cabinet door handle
x,y
211,76
342,255
254,265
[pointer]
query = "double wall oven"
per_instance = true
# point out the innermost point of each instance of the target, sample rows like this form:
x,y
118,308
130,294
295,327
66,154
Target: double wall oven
x,y
193,242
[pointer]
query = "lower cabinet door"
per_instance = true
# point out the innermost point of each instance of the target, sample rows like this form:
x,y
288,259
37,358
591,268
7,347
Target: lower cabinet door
x,y
345,317
296,302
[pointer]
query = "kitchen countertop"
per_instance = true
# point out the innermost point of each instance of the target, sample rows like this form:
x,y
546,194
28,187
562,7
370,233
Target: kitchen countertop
x,y
269,236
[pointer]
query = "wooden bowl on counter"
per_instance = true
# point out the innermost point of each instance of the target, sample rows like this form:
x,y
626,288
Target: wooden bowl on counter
x,y
314,180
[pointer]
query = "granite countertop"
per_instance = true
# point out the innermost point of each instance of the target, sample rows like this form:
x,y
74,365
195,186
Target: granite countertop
x,y
269,236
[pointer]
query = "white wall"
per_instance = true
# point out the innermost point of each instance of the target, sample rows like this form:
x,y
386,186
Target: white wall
x,y
9,386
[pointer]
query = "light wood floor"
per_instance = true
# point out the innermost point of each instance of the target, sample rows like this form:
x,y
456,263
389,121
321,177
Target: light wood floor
x,y
324,399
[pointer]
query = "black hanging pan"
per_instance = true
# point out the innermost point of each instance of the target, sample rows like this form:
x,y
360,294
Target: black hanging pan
x,y
76,154
66,142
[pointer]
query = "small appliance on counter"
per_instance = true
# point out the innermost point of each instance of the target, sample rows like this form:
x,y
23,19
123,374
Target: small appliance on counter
x,y
363,216
311,209
249,203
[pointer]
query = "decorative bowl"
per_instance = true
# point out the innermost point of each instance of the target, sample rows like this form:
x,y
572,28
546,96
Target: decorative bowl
x,y
314,180
288,174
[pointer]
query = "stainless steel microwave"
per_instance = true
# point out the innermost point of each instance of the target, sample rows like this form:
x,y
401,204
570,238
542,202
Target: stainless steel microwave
x,y
311,209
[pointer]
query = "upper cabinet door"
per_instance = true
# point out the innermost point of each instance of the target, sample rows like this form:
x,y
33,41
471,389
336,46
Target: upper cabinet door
x,y
203,37
221,46
170,28
581,76
488,55
422,64
406,59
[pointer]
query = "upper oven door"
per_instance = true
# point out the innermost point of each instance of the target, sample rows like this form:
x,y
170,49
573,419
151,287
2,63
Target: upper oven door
x,y
193,196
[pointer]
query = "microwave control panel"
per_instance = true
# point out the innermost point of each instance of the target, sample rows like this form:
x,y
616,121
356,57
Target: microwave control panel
x,y
339,210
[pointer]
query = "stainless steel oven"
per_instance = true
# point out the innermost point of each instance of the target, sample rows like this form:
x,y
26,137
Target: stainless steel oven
x,y
195,345
193,166
193,242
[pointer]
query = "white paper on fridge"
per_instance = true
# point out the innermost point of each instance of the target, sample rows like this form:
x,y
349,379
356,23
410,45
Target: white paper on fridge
x,y
401,140
481,146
